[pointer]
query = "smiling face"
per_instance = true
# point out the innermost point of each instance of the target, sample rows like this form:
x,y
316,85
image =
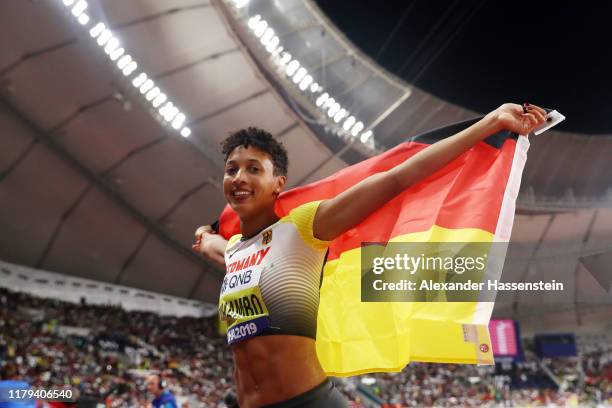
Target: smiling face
x,y
249,184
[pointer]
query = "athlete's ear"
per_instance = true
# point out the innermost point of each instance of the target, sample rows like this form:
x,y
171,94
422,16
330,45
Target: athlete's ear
x,y
280,184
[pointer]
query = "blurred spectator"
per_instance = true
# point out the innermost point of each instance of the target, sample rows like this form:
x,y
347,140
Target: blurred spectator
x,y
164,398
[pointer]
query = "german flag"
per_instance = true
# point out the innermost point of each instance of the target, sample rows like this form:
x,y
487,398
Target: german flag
x,y
470,200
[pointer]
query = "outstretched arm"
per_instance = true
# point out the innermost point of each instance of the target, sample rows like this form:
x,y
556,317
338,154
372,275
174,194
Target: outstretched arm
x,y
210,245
349,208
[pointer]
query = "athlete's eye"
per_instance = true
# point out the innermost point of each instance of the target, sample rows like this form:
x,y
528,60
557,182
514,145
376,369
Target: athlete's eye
x,y
254,169
230,170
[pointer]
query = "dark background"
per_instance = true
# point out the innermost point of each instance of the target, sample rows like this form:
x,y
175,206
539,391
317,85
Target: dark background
x,y
480,54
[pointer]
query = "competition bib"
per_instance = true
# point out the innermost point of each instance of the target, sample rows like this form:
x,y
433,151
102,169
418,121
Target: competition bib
x,y
241,304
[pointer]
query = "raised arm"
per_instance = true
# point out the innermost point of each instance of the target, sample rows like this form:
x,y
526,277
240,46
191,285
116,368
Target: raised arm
x,y
210,244
349,208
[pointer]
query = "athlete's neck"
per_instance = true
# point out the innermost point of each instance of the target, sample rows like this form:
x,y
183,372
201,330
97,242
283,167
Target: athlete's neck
x,y
253,225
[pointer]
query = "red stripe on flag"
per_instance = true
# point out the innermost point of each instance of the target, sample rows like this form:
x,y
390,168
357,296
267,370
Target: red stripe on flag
x,y
467,193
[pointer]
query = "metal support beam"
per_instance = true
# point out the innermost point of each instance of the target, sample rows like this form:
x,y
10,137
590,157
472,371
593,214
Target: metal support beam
x,y
228,107
34,54
159,15
198,61
58,228
22,156
389,110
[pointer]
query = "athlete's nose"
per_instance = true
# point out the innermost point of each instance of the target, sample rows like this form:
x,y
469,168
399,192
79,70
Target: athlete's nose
x,y
239,177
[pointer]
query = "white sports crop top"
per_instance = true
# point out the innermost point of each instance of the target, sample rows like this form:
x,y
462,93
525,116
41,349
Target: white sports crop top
x,y
272,279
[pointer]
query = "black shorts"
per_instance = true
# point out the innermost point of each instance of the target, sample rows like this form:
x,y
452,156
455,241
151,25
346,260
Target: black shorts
x,y
324,395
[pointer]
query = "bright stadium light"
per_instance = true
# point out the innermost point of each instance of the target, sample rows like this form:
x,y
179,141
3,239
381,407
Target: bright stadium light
x,y
159,99
292,67
365,136
333,110
97,30
348,123
178,121
241,3
83,19
117,53
79,8
254,22
305,82
104,37
146,86
322,99
329,103
124,61
261,28
340,115
139,80
286,57
277,50
162,111
272,44
357,127
299,75
131,67
152,93
267,36
111,45
171,114
168,111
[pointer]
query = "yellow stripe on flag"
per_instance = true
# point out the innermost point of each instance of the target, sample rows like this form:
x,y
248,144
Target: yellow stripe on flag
x,y
355,337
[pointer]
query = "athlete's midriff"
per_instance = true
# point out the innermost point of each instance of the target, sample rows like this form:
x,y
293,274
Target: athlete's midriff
x,y
270,369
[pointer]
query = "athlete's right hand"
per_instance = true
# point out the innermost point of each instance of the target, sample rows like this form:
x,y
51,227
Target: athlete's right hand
x,y
201,234
209,244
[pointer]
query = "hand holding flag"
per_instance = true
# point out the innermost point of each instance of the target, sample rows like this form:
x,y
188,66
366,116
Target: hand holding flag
x,y
518,119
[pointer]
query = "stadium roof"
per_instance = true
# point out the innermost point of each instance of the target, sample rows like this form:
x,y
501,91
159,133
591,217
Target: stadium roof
x,y
462,51
94,182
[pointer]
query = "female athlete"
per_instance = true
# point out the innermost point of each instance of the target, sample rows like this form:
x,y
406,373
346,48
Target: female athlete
x,y
270,294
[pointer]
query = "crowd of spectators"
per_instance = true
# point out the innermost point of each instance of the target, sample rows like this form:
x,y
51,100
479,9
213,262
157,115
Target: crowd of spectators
x,y
596,364
585,380
450,385
105,353
40,340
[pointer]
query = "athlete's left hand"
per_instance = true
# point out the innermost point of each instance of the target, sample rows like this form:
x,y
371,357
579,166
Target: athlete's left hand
x,y
512,117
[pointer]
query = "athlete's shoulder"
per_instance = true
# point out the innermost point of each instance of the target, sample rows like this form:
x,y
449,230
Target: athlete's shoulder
x,y
302,217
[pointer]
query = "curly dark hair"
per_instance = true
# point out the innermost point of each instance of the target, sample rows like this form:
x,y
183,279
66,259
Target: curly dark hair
x,y
262,140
